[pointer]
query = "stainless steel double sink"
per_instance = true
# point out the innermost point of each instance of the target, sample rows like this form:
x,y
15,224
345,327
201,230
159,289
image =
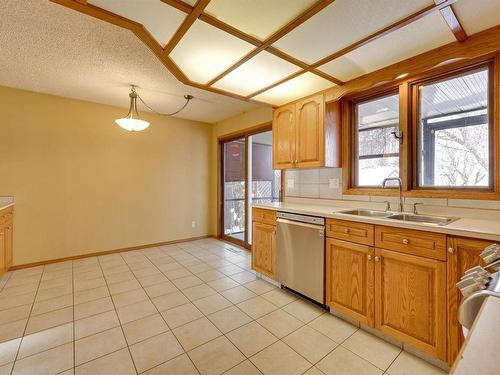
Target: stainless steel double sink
x,y
405,217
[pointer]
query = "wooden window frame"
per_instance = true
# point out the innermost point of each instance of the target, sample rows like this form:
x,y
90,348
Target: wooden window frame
x,y
348,105
408,115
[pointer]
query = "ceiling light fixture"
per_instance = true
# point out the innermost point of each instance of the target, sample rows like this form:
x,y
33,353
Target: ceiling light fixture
x,y
401,75
133,122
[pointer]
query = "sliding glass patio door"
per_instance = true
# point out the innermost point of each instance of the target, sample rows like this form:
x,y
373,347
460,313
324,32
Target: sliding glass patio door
x,y
247,178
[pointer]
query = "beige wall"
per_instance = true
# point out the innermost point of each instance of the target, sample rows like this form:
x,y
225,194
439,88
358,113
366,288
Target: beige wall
x,y
243,121
82,184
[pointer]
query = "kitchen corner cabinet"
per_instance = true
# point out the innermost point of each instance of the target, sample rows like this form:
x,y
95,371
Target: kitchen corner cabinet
x,y
264,242
463,253
350,279
307,134
6,233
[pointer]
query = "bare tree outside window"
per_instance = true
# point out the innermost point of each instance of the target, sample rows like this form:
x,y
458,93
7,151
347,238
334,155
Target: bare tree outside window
x,y
377,149
454,132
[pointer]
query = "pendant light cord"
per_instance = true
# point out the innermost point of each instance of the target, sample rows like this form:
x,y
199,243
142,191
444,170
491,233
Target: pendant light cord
x,y
187,97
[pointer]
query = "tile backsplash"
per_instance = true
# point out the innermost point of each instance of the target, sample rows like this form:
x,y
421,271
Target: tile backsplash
x,y
326,183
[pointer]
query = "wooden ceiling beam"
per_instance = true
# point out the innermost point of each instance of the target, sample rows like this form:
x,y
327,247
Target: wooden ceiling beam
x,y
451,19
180,5
370,38
186,24
207,18
144,35
317,7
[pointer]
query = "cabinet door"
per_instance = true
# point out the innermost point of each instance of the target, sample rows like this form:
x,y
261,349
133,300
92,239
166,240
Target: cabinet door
x,y
8,246
463,253
284,137
2,250
350,279
410,300
310,127
264,249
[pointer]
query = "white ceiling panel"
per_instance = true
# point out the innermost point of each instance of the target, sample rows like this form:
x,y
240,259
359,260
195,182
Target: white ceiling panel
x,y
160,19
423,35
206,51
477,15
342,23
303,85
259,18
260,71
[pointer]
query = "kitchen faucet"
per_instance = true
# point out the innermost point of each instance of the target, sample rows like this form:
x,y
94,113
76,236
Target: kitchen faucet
x,y
400,186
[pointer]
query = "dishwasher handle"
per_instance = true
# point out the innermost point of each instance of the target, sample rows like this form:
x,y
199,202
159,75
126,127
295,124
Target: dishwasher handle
x,y
321,228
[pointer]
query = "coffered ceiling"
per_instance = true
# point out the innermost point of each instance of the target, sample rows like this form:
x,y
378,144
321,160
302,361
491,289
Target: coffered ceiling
x,y
276,51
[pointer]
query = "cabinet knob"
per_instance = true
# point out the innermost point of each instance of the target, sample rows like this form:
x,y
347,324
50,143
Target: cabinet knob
x,y
451,250
406,241
370,257
346,230
377,258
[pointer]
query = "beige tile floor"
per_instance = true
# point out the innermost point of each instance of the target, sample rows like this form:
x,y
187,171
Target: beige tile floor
x,y
188,308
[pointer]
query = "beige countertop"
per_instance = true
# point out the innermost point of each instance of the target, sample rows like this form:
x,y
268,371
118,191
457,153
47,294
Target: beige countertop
x,y
6,202
475,228
479,354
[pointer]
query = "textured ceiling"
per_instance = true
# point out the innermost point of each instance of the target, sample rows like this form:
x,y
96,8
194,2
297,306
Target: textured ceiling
x,y
51,49
271,51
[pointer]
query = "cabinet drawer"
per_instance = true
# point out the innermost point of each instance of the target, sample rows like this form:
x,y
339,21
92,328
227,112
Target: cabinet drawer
x,y
264,216
6,215
409,241
350,231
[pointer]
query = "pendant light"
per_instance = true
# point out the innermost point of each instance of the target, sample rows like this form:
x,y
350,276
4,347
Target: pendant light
x,y
133,122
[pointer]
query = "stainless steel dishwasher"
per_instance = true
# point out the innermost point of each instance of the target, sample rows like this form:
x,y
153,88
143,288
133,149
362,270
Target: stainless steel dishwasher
x,y
300,257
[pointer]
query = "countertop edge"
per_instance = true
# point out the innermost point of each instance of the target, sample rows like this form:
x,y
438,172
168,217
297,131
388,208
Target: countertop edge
x,y
7,205
479,354
451,229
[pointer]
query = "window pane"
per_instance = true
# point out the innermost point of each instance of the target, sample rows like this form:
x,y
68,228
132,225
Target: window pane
x,y
453,132
377,148
234,189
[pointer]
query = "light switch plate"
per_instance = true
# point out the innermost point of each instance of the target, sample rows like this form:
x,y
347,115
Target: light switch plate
x,y
334,183
290,183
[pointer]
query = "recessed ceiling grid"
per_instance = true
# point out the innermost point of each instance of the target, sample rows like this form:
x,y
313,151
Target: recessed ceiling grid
x,y
249,57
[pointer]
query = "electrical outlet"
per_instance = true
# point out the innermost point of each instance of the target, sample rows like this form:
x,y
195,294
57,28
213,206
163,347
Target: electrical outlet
x,y
193,224
334,183
290,183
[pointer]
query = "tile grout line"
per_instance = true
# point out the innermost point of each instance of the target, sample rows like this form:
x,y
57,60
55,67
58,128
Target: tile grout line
x,y
27,321
116,312
74,321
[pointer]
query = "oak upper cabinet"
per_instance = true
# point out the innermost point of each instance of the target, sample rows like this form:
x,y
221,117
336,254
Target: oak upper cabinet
x,y
350,279
284,137
307,134
410,300
264,242
463,253
310,126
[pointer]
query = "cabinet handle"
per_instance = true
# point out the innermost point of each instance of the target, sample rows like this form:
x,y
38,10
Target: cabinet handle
x,y
370,257
451,250
377,258
346,230
406,241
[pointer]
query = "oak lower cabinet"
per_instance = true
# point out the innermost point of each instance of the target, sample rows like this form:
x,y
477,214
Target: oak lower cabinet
x,y
6,232
400,294
410,300
264,245
463,253
350,279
